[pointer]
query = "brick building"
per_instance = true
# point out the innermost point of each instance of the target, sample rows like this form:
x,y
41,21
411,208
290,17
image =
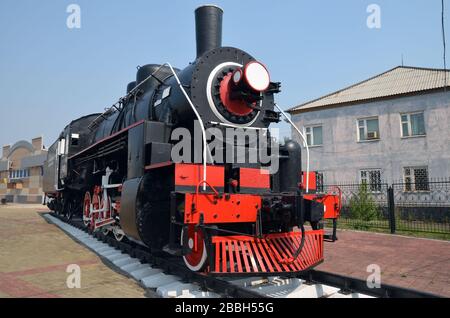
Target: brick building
x,y
21,170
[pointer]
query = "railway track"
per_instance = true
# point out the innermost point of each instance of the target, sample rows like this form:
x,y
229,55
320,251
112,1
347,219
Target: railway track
x,y
167,275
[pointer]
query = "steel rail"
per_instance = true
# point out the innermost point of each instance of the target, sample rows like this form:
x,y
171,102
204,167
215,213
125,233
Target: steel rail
x,y
351,284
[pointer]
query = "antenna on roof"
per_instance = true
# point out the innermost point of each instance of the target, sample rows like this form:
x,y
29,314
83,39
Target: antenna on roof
x,y
444,44
402,59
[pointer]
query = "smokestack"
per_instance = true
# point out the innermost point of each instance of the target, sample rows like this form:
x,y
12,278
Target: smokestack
x,y
208,28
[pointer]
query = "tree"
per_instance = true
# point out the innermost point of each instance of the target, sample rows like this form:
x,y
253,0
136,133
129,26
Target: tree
x,y
363,208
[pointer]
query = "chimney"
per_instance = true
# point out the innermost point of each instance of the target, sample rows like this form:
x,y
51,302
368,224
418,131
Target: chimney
x,y
37,143
6,151
208,28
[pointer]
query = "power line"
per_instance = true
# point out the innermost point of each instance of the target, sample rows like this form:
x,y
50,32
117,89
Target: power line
x,y
443,42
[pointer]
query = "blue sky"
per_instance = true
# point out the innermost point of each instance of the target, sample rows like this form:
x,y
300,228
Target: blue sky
x,y
50,74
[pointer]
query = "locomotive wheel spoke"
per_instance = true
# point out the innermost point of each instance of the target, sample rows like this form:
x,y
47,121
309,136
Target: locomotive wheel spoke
x,y
87,209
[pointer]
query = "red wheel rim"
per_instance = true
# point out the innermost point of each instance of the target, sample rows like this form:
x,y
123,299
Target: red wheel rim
x,y
95,206
196,259
86,206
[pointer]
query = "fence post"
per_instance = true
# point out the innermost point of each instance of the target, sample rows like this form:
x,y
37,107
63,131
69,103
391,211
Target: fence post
x,y
391,208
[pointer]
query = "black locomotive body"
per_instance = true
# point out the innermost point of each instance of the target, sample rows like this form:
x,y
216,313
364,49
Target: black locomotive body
x,y
116,170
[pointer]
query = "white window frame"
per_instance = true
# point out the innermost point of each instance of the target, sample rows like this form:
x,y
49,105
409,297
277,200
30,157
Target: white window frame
x,y
311,134
19,174
73,138
408,122
368,183
365,119
62,147
413,178
320,177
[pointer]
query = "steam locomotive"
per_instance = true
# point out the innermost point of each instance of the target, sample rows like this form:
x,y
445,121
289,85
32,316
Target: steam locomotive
x,y
116,170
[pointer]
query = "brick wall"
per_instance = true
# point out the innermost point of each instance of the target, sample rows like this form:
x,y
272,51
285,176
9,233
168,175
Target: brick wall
x,y
27,189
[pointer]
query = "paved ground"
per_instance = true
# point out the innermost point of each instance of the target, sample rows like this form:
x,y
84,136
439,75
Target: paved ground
x,y
415,263
32,267
34,256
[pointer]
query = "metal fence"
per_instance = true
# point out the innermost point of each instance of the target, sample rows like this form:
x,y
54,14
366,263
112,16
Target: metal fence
x,y
422,207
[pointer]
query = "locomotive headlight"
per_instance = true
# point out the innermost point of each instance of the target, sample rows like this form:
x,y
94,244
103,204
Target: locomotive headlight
x,y
237,92
256,76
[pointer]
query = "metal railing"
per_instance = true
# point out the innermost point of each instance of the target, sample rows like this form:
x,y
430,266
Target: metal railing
x,y
398,207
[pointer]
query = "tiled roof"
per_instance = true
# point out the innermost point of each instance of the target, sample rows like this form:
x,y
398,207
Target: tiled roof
x,y
397,81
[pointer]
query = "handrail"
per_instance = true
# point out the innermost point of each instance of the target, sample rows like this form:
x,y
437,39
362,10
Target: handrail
x,y
121,99
202,126
305,144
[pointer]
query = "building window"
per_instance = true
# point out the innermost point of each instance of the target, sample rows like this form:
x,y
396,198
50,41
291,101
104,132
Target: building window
x,y
314,135
413,124
19,174
368,129
371,178
74,140
319,182
416,179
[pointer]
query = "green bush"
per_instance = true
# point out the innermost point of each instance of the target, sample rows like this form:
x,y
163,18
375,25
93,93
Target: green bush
x,y
363,208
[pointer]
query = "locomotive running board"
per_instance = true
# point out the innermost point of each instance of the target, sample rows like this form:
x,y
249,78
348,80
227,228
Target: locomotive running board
x,y
269,255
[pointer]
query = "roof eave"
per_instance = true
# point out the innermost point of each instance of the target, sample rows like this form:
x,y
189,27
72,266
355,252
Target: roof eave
x,y
296,110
